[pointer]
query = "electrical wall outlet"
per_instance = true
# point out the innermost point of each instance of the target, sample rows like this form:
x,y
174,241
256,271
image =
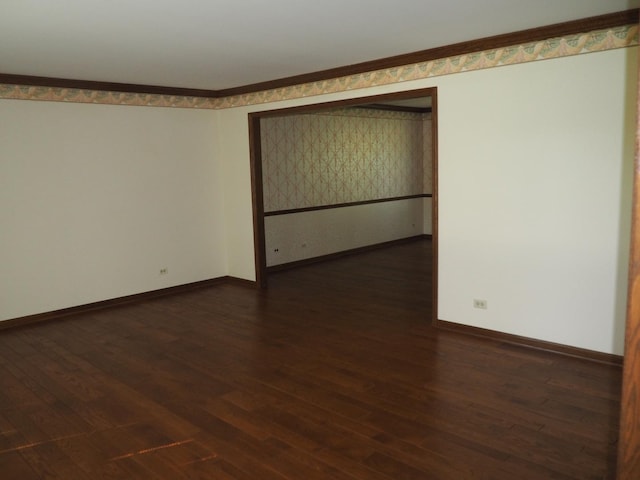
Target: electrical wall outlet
x,y
164,271
479,303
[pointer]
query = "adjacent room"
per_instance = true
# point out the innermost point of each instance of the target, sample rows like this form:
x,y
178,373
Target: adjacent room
x,y
342,179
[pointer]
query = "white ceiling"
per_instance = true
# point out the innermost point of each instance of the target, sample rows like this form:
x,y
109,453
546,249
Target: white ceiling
x,y
217,44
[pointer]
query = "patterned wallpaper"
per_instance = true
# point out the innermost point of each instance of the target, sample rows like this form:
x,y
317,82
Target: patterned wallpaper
x,y
344,155
427,154
578,44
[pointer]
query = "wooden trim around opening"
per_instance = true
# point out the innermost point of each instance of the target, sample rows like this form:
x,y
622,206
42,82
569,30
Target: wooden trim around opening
x,y
257,200
348,204
434,205
582,353
344,253
629,437
396,108
610,20
255,159
135,298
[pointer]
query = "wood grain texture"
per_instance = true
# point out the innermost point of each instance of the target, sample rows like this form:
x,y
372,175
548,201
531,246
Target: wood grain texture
x,y
333,372
434,204
257,200
629,450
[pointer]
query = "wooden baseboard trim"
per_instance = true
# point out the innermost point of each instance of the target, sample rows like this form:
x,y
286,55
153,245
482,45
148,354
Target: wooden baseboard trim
x,y
583,353
241,282
135,298
344,253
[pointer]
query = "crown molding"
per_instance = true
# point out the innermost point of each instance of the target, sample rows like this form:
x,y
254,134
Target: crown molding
x,y
601,22
33,81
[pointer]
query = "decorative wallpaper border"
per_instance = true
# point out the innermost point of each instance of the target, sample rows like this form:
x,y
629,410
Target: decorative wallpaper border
x,y
595,41
76,95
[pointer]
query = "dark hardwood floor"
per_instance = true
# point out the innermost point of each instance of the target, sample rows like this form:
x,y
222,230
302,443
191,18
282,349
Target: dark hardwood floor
x,y
333,373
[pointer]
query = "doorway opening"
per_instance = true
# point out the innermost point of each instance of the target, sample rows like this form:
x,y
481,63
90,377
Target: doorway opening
x,y
311,200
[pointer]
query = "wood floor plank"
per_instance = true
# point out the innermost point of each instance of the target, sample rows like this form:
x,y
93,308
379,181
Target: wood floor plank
x,y
332,372
13,465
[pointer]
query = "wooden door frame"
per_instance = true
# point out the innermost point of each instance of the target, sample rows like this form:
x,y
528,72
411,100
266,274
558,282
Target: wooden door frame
x,y
629,439
257,188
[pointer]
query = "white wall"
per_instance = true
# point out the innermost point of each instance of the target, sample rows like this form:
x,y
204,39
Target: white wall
x,y
530,200
534,169
95,199
304,235
233,140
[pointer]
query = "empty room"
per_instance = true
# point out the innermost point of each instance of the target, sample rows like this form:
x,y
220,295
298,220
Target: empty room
x,y
325,240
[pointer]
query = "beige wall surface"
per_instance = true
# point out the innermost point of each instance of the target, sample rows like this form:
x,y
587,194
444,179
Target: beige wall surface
x,y
303,235
535,172
96,199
